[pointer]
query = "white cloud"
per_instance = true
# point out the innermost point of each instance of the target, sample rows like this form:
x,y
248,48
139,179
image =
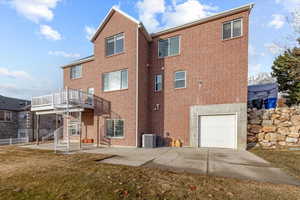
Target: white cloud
x,y
148,11
181,13
290,5
277,21
90,31
14,74
49,33
156,14
274,48
64,54
35,10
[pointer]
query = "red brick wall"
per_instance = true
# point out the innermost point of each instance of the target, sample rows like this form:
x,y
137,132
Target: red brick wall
x,y
123,103
143,106
221,66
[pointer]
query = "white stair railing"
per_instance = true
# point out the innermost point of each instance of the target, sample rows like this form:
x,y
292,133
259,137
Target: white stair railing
x,y
49,136
58,135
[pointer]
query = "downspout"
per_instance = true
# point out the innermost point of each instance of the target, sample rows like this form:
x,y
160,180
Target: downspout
x,y
137,87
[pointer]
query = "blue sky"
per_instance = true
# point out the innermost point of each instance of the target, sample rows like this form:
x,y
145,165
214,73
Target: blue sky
x,y
38,36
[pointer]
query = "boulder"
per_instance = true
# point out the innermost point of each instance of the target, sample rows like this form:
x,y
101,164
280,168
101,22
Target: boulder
x,y
271,137
283,131
252,139
281,137
269,129
291,140
285,124
282,143
294,135
275,116
294,129
267,122
255,121
295,119
255,128
284,117
276,121
261,136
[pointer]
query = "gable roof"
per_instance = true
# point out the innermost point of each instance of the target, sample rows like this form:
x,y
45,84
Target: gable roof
x,y
206,19
13,104
79,61
107,18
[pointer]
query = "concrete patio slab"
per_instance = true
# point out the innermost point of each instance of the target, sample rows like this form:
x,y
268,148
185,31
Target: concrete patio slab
x,y
210,161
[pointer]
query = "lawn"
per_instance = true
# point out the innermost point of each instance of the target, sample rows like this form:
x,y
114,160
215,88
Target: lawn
x,y
285,159
35,174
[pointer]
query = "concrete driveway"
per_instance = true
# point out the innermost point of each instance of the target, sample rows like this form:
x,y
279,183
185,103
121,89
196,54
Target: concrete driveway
x,y
216,162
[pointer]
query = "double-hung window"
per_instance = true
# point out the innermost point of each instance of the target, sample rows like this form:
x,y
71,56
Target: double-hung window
x,y
158,83
114,44
115,128
180,79
232,29
5,116
117,80
169,47
76,72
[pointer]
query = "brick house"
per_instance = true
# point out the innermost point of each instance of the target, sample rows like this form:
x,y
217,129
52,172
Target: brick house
x,y
188,82
17,121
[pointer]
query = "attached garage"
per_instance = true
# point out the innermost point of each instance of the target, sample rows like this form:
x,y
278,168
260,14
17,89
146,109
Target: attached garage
x,y
219,126
217,131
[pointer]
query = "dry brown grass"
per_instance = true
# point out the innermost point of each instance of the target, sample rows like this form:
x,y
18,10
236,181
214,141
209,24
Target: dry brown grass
x,y
35,174
284,158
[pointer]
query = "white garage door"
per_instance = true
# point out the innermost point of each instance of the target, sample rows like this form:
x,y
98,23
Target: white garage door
x,y
218,131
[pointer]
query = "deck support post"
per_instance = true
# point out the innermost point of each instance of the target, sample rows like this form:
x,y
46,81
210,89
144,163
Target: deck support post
x,y
80,130
37,129
68,118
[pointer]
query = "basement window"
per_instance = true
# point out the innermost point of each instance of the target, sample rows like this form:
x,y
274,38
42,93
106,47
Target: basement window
x,y
232,29
115,128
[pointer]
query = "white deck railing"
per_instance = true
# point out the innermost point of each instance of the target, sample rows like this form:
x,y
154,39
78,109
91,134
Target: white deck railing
x,y
10,141
65,97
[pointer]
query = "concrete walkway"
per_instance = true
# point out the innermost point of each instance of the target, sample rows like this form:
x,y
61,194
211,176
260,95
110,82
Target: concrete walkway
x,y
216,162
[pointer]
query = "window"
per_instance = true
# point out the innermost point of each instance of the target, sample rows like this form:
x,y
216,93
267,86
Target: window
x,y
117,80
76,72
180,79
168,47
5,116
91,91
115,128
158,83
74,129
232,29
115,44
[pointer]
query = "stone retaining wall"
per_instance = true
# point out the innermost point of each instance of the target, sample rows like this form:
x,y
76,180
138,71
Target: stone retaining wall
x,y
273,128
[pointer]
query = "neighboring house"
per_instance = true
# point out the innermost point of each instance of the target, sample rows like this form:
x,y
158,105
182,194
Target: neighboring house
x,y
17,121
188,82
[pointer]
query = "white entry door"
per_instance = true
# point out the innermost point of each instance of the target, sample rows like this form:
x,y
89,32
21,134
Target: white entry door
x,y
218,131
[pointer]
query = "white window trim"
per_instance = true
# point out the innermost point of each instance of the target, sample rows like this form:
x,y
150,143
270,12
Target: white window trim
x,y
103,88
185,81
73,78
5,113
179,46
231,24
91,88
114,37
77,128
155,83
113,137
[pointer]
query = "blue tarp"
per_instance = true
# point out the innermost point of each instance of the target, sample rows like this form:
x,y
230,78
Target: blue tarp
x,y
263,96
263,91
